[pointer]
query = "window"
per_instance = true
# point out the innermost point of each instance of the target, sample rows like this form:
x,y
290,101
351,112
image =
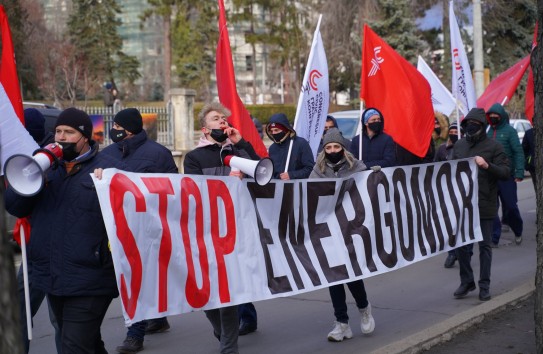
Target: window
x,y
249,63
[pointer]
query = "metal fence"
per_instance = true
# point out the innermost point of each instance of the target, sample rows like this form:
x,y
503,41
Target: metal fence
x,y
157,122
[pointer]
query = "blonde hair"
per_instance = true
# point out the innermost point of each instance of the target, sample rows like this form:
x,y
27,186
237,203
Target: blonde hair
x,y
210,107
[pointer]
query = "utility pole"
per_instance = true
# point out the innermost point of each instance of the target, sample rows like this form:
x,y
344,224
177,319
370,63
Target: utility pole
x,y
478,70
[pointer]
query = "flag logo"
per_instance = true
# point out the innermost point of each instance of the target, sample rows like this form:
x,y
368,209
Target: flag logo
x,y
456,58
375,61
313,75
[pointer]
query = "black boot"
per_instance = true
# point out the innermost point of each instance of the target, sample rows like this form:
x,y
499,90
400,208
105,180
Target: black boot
x,y
130,345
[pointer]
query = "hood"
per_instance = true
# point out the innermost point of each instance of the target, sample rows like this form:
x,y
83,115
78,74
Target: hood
x,y
280,118
477,114
443,124
333,120
378,112
498,109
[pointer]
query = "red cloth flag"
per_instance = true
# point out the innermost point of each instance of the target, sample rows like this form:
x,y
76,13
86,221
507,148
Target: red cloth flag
x,y
228,94
529,98
396,88
8,69
503,87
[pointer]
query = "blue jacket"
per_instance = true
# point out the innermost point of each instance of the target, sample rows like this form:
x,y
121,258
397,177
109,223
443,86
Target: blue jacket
x,y
141,154
69,244
301,158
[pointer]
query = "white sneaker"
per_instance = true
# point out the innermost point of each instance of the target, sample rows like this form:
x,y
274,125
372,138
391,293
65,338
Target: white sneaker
x,y
339,332
367,323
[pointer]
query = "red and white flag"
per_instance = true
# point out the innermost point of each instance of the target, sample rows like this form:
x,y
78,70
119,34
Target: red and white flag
x,y
14,138
442,99
463,88
228,93
314,99
395,87
529,98
503,87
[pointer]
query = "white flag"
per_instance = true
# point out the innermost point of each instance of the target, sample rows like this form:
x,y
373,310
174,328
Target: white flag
x,y
315,96
442,99
462,82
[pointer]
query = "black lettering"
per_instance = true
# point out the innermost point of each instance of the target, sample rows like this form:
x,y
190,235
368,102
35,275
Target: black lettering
x,y
399,181
463,168
446,171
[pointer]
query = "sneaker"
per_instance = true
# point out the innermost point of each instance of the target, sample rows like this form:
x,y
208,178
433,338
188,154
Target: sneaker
x,y
367,323
130,345
157,325
449,262
339,332
518,239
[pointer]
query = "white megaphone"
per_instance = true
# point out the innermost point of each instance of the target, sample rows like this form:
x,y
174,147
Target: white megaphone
x,y
261,171
25,174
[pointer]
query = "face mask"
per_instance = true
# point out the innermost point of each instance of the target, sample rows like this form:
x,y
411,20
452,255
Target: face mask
x,y
473,131
218,135
117,135
453,137
334,157
375,126
278,137
494,120
437,130
68,151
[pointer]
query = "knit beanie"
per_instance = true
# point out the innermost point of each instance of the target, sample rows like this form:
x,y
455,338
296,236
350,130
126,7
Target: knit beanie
x,y
333,135
368,114
453,125
77,119
130,119
279,126
35,124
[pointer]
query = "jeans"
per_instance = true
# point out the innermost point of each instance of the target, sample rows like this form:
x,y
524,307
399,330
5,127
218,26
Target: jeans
x,y
36,298
247,313
79,319
338,296
485,258
225,323
507,194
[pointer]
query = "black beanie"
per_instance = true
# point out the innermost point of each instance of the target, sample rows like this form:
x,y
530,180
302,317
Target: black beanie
x,y
35,124
77,119
130,119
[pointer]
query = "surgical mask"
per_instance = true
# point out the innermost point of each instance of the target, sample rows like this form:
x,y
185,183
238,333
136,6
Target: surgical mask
x,y
68,151
335,157
117,135
218,135
453,138
375,126
278,137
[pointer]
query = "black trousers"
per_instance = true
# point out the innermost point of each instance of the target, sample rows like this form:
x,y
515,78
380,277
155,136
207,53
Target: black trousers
x,y
79,319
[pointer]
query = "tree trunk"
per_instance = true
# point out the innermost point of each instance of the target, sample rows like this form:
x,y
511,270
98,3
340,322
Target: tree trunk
x,y
10,339
536,60
167,56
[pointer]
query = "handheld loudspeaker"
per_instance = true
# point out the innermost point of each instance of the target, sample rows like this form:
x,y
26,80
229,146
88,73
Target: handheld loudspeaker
x,y
26,175
261,171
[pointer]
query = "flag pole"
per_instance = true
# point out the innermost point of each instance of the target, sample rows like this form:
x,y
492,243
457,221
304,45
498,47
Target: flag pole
x,y
301,98
24,264
360,130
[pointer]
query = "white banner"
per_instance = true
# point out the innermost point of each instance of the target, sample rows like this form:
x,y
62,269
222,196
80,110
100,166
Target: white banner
x,y
315,95
182,243
463,88
442,99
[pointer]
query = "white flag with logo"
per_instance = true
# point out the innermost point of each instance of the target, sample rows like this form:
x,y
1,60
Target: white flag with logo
x,y
462,82
442,99
315,96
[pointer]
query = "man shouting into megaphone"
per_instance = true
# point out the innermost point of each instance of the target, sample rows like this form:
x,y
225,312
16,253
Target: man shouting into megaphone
x,y
69,249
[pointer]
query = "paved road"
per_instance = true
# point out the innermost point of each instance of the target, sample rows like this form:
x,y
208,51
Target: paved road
x,y
409,305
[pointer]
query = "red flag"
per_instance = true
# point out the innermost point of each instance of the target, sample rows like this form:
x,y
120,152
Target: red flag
x,y
8,69
503,87
529,98
228,94
395,87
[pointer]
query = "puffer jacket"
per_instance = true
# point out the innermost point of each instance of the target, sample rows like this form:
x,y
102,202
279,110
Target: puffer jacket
x,y
69,248
494,155
507,136
141,154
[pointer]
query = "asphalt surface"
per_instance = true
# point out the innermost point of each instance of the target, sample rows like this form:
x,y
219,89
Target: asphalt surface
x,y
413,307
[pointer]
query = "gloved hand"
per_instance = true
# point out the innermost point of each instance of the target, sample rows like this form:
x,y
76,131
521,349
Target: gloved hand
x,y
375,168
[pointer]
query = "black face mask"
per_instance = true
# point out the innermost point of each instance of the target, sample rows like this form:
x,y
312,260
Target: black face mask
x,y
453,138
278,137
473,131
68,151
334,157
117,135
437,130
218,135
494,120
376,127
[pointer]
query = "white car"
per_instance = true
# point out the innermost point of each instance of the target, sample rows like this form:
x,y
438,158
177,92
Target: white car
x,y
521,126
347,122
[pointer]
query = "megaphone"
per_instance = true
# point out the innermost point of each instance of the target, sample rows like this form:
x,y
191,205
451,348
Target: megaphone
x,y
26,175
261,171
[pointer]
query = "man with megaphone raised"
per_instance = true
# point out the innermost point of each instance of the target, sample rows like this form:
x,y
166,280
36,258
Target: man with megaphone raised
x,y
72,263
218,141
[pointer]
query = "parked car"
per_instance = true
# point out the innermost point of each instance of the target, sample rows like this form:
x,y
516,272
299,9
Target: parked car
x,y
37,105
347,122
521,126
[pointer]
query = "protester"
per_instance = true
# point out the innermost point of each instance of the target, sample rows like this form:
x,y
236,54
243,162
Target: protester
x,y
301,159
444,153
441,128
528,146
492,162
71,260
378,148
507,136
331,122
140,154
335,161
35,125
218,141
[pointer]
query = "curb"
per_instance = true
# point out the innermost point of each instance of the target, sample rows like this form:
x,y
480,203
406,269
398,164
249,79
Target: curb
x,y
446,330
